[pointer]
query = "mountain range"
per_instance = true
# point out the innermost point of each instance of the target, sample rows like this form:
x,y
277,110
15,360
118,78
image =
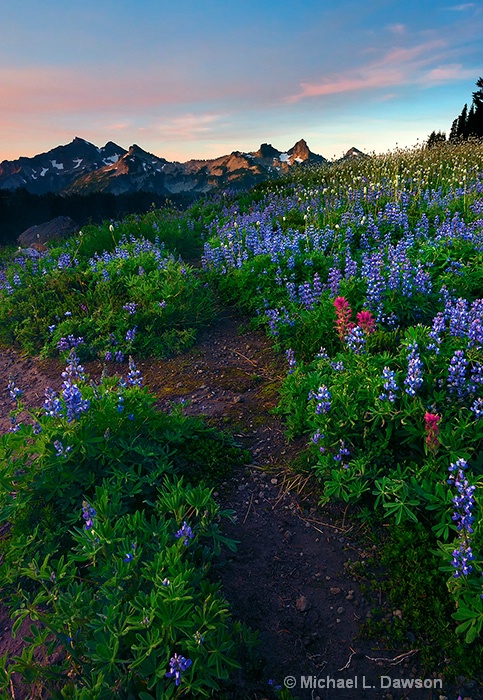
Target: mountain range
x,y
80,167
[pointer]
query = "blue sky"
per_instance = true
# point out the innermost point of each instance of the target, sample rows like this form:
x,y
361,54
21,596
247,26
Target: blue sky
x,y
199,79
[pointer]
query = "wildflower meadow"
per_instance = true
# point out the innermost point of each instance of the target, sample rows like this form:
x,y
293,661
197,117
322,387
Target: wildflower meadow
x,y
367,276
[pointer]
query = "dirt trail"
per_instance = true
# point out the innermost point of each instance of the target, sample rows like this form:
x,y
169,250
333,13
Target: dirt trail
x,y
291,577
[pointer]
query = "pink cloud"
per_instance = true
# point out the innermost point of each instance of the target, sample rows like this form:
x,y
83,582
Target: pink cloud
x,y
462,8
397,28
399,66
45,90
446,73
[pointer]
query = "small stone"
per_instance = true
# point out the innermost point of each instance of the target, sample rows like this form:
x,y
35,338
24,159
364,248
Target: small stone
x,y
302,603
340,610
274,481
335,591
397,613
350,595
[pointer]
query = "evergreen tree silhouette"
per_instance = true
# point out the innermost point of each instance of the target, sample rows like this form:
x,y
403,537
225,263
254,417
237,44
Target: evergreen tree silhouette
x,y
470,123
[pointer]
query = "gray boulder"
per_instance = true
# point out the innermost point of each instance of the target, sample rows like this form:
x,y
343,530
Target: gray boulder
x,y
60,227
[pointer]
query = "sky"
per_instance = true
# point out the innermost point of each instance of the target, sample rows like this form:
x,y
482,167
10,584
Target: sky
x,y
189,79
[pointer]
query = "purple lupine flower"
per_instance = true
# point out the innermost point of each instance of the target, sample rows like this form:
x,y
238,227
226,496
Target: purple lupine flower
x,y
14,426
88,513
334,280
130,335
306,295
323,397
119,356
475,333
476,378
390,385
108,356
356,340
438,327
177,666
74,403
414,377
463,517
462,558
130,307
74,370
457,374
337,366
60,450
342,455
458,317
186,532
130,555
14,391
52,405
292,362
317,437
70,342
465,501
134,375
477,407
318,288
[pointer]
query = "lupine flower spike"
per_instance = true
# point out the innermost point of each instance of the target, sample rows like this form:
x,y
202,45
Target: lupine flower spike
x,y
177,666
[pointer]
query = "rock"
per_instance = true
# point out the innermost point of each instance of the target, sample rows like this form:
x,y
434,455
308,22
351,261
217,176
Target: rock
x,y
302,604
60,227
335,591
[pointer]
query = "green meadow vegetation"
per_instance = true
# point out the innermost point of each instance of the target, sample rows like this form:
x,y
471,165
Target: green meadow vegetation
x,y
368,276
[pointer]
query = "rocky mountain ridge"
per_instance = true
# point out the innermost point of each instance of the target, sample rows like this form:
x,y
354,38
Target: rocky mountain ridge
x,y
81,167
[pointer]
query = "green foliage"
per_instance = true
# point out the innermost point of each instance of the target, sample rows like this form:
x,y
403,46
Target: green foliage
x,y
412,581
138,290
132,587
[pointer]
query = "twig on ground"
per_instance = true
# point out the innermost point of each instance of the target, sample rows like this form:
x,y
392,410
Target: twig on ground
x,y
248,510
252,362
335,527
349,660
397,659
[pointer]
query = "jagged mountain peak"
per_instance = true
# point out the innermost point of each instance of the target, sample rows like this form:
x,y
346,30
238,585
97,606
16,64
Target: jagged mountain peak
x,y
82,167
300,150
353,153
266,150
